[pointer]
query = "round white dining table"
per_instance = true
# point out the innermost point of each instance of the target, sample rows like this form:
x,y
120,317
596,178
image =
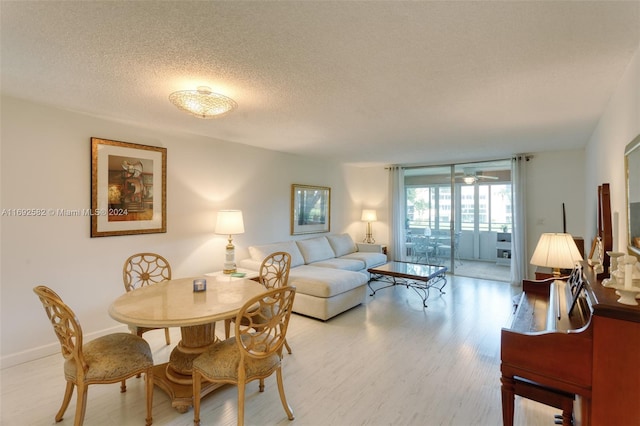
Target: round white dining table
x,y
173,303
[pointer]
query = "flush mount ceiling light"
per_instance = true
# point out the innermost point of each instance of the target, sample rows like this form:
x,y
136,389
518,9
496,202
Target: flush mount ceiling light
x,y
202,103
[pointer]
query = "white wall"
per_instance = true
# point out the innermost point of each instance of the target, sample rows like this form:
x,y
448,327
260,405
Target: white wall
x,y
554,178
45,158
619,124
367,188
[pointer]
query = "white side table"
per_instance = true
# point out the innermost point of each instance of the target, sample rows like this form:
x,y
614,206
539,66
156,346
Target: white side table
x,y
375,247
221,276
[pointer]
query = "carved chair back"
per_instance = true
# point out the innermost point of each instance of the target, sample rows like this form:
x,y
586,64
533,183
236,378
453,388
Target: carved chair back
x,y
261,324
144,269
274,270
65,324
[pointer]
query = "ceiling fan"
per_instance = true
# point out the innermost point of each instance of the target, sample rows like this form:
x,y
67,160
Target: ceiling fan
x,y
471,176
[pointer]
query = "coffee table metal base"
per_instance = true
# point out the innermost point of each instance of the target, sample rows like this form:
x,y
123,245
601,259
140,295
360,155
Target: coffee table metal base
x,y
421,278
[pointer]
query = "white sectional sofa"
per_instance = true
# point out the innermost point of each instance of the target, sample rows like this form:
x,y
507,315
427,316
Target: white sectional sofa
x,y
329,272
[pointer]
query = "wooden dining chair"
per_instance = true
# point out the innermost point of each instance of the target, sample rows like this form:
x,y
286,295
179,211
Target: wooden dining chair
x,y
254,353
274,273
143,269
108,359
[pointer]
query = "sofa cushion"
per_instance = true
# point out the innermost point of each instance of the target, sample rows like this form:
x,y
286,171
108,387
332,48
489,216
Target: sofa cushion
x,y
324,282
370,259
315,249
260,252
341,244
342,263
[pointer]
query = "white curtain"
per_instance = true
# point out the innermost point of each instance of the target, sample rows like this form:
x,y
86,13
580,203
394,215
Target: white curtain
x,y
519,262
397,213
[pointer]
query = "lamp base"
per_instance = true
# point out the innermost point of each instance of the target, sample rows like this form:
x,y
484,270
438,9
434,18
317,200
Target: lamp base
x,y
229,266
369,235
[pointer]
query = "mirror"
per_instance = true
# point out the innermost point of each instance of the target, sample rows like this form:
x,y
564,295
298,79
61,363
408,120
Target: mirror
x,y
632,169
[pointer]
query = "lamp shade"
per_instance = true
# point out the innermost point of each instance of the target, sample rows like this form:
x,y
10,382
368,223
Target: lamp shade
x,y
556,251
229,222
369,215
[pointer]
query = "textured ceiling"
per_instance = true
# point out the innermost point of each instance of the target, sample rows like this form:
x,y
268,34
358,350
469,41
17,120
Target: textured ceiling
x,y
360,82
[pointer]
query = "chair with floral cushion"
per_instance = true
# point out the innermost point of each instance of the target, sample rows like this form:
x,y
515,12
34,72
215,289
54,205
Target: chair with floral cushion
x,y
145,269
254,353
108,359
274,272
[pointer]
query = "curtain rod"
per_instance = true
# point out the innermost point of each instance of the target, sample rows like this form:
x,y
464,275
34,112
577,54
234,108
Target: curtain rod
x,y
526,157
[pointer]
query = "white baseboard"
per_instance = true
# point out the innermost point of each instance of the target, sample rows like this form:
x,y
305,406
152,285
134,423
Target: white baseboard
x,y
52,348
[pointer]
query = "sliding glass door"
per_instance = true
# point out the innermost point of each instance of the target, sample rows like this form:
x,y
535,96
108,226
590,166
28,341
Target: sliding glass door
x,y
458,215
429,207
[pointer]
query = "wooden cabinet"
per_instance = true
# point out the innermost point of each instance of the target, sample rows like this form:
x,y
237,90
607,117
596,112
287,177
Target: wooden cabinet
x,y
616,375
616,351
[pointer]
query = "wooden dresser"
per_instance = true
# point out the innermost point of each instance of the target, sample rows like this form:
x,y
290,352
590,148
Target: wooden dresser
x,y
616,358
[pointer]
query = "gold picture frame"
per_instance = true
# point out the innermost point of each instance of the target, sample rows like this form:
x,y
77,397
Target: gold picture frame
x,y
310,209
128,188
632,195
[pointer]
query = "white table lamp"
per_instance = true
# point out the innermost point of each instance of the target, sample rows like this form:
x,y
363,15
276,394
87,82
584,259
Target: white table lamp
x,y
229,223
556,251
369,216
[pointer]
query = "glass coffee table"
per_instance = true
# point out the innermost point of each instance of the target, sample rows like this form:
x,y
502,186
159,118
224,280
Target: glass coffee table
x,y
421,278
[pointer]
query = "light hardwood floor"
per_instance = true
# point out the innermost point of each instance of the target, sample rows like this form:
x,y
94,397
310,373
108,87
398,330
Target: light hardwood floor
x,y
483,269
387,362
